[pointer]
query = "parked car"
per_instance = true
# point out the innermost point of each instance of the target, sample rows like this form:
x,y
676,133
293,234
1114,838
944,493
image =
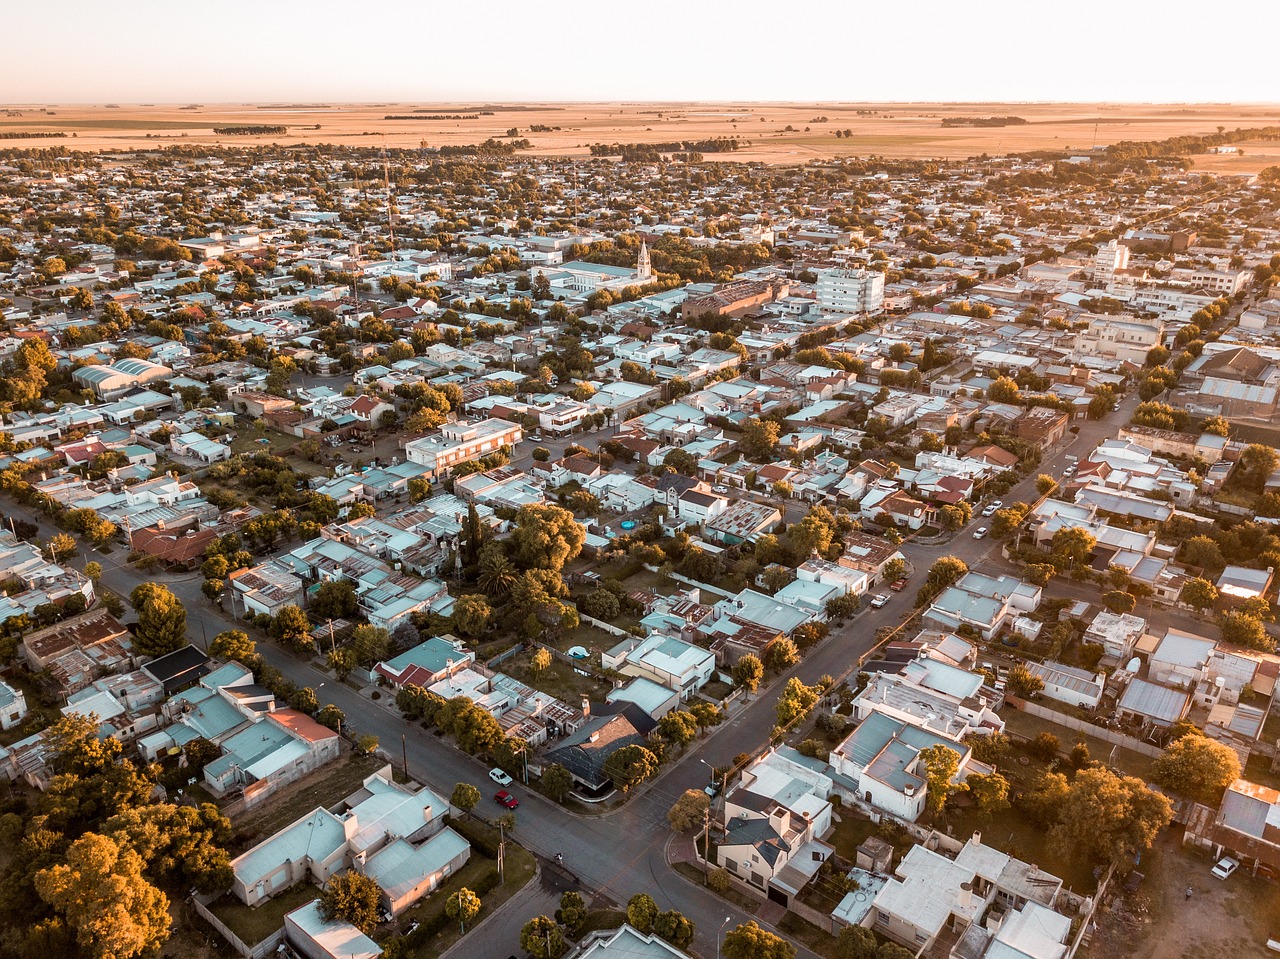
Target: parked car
x,y
980,532
500,777
504,798
881,599
996,503
989,510
898,585
712,789
1225,867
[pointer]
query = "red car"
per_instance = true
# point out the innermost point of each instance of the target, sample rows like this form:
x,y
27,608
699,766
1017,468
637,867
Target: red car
x,y
504,798
898,585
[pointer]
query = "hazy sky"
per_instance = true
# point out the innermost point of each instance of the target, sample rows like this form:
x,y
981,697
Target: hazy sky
x,y
96,51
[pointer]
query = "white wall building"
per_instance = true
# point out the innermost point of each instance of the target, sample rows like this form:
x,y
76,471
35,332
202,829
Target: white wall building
x,y
850,291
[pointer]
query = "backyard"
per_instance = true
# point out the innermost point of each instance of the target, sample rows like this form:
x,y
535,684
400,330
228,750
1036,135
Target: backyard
x,y
560,679
326,787
252,924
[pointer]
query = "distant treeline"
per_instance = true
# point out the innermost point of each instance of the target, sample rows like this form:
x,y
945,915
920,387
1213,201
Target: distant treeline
x,y
490,147
654,151
983,121
292,106
18,135
1186,145
432,116
251,129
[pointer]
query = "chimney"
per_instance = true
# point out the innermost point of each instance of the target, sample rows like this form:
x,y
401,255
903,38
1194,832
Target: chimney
x,y
586,706
977,838
964,897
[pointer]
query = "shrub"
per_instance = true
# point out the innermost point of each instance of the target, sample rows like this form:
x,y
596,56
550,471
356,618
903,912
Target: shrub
x,y
1045,747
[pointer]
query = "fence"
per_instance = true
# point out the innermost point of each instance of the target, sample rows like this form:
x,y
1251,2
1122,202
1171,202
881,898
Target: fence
x,y
1098,732
259,951
607,627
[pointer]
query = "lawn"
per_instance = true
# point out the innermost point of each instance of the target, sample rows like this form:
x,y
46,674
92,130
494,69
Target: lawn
x,y
593,638
1011,833
254,923
519,870
559,679
1024,725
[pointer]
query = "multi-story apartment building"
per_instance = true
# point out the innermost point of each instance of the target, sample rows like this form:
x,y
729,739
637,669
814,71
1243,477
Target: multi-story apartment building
x,y
850,291
458,443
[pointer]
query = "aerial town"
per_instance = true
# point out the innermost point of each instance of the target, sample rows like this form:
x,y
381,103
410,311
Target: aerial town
x,y
462,552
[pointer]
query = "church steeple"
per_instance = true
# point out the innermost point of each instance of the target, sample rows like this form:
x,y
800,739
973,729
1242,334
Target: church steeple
x,y
643,270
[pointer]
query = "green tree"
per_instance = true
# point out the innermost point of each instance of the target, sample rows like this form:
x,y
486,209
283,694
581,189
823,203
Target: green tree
x,y
162,620
465,797
471,613
463,905
1255,466
292,626
331,717
749,941
572,912
629,766
1045,484
990,792
1004,390
1199,593
541,937
1118,601
1198,767
706,714
1108,818
809,536
233,644
1071,546
181,846
103,897
352,897
93,570
941,764
601,604
689,810
305,701
1216,426
674,928
540,660
557,781
758,440
796,701
747,673
1242,629
334,599
498,575
545,537
780,655
1202,551
842,607
678,727
641,912
856,942
1022,682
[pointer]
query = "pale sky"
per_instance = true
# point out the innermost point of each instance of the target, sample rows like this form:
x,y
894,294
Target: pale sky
x,y
96,51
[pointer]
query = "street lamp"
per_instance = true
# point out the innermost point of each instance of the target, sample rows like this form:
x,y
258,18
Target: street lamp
x,y
720,932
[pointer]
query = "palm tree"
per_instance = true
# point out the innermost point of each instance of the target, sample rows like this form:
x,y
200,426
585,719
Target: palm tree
x,y
497,575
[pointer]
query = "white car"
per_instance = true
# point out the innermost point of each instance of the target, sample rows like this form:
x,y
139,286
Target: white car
x,y
500,777
980,532
997,503
1225,867
989,510
881,599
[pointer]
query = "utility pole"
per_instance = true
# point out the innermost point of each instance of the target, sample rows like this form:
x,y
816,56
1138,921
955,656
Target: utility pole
x,y
502,850
404,756
706,843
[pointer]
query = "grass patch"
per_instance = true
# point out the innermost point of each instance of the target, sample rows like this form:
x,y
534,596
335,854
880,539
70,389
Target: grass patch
x,y
558,679
1025,725
739,899
254,923
850,833
519,870
809,935
1258,770
598,919
1009,832
716,690
325,787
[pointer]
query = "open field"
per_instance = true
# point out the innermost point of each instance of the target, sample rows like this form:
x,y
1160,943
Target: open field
x,y
893,130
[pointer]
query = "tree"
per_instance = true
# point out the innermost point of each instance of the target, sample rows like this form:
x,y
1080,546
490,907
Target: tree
x,y
542,937
1242,629
747,673
629,766
182,846
1004,390
471,613
1216,426
944,572
1198,767
678,727
689,810
93,570
545,537
1255,466
352,897
162,620
891,950
1108,818
990,792
781,654
103,897
601,604
331,717
199,752
842,607
540,661
541,454
856,942
465,796
1045,747
796,701
292,626
335,599
1045,484
1071,546
233,644
498,575
1202,551
1199,593
749,941
1118,601
1023,683
758,440
305,701
557,781
809,536
572,912
341,661
675,928
941,764
641,912
463,905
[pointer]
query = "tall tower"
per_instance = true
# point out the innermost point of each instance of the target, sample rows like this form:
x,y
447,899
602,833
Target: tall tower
x,y
643,269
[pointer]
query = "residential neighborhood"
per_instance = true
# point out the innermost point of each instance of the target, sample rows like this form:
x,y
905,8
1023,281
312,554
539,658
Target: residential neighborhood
x,y
880,554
